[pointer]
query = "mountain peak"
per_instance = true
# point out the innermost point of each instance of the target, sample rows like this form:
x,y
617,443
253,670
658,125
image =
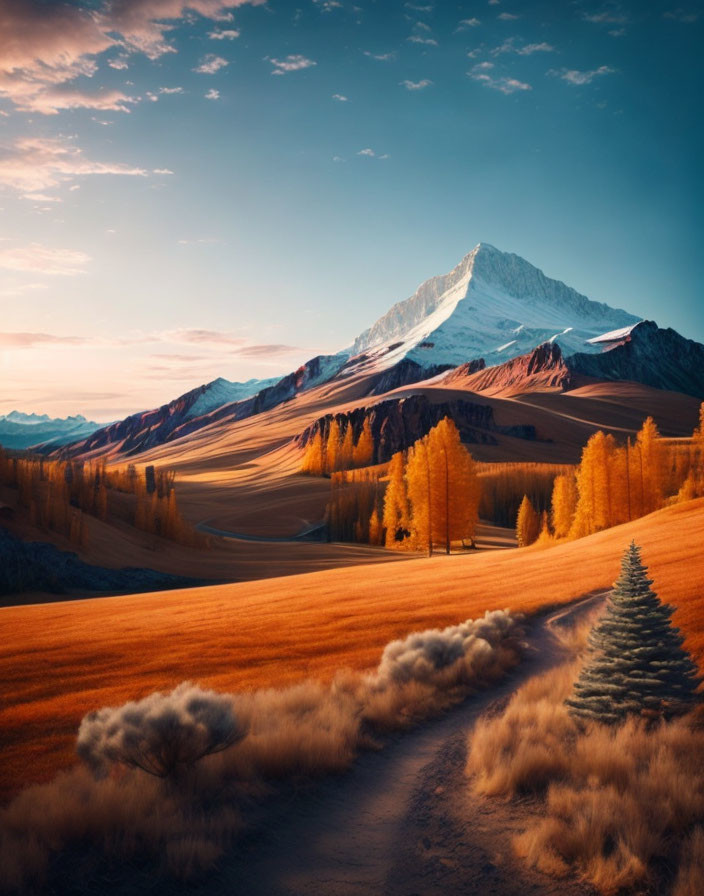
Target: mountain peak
x,y
494,305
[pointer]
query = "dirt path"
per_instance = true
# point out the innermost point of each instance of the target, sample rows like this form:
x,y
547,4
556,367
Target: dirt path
x,y
315,529
402,821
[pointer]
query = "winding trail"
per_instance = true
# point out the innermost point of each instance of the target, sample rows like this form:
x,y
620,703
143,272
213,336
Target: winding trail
x,y
401,821
266,539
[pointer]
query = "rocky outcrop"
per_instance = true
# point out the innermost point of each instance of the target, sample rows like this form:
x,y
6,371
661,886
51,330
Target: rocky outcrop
x,y
398,422
405,373
650,355
542,369
37,566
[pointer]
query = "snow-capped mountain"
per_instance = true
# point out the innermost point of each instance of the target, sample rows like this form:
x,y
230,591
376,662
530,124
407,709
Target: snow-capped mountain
x,y
19,431
493,305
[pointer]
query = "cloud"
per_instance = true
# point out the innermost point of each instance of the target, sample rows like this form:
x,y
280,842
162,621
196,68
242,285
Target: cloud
x,y
579,78
380,57
168,91
503,84
211,64
145,24
609,16
687,17
510,46
29,340
340,98
425,41
468,23
48,45
416,85
212,94
44,260
370,154
292,63
328,5
31,164
227,34
508,17
268,351
200,337
51,101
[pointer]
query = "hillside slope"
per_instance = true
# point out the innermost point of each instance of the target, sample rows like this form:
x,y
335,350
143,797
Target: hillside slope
x,y
59,661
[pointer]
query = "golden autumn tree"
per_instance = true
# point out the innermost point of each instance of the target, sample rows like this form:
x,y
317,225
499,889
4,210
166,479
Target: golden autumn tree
x,y
333,447
527,523
650,468
396,517
364,449
454,483
344,460
564,503
376,531
420,494
314,456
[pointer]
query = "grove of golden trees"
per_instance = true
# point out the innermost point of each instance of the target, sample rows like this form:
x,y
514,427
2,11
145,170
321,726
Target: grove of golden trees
x,y
339,451
57,494
618,482
431,496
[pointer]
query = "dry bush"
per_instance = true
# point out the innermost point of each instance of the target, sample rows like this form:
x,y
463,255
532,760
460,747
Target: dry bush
x,y
186,821
615,803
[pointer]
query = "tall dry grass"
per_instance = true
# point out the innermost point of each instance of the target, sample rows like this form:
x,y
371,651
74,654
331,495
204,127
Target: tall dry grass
x,y
57,834
620,807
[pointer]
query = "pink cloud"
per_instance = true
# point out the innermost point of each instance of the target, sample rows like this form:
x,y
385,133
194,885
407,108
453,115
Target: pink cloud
x,y
32,164
47,45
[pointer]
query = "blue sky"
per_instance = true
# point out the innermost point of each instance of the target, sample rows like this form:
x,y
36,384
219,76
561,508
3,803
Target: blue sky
x,y
225,189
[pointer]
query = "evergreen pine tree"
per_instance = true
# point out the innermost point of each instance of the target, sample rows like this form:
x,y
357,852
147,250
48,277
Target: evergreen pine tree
x,y
638,663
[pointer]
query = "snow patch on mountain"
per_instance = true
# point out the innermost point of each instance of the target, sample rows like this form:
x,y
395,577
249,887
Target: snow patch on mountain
x,y
470,312
222,391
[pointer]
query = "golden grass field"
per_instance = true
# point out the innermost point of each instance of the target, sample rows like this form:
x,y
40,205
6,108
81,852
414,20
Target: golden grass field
x,y
61,660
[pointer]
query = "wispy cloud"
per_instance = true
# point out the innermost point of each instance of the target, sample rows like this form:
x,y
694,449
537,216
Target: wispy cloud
x,y
267,351
686,16
38,259
468,23
508,16
416,85
612,15
29,340
380,57
328,5
32,164
424,41
169,91
340,98
579,78
202,337
294,62
211,64
371,154
505,85
212,94
226,34
512,46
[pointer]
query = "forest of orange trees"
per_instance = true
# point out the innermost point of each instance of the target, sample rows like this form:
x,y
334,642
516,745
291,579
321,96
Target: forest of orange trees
x,y
58,495
434,493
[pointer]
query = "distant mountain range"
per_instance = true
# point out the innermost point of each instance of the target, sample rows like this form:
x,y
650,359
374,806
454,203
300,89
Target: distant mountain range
x,y
20,431
494,324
